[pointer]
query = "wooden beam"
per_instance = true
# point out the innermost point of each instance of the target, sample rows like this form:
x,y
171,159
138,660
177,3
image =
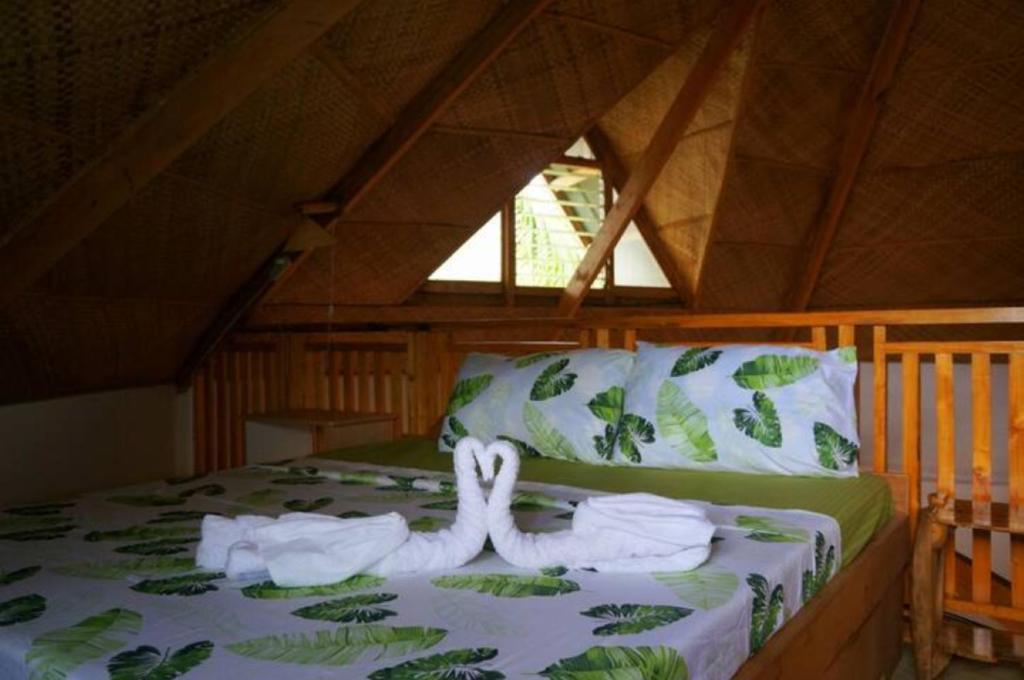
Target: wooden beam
x,y
409,125
431,102
732,24
859,130
699,274
160,135
617,175
228,316
272,315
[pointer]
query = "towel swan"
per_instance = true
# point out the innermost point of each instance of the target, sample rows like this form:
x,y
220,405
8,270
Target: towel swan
x,y
458,544
625,533
304,549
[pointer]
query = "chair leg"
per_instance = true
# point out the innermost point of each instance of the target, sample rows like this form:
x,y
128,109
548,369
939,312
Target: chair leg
x,y
930,658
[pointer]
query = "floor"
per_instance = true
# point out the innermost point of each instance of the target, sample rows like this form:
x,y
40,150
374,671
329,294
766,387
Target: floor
x,y
961,669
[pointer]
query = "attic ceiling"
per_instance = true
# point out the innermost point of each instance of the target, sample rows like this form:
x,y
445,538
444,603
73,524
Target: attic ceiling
x,y
933,218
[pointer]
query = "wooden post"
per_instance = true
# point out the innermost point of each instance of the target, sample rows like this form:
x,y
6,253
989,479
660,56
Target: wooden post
x,y
881,399
911,366
1016,452
945,443
981,476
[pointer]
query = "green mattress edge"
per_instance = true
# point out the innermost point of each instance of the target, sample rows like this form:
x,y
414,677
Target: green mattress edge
x,y
861,505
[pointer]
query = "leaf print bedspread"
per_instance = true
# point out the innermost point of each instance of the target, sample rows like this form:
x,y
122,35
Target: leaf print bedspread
x,y
105,586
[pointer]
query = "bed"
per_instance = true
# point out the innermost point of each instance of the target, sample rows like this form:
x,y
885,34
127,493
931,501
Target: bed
x,y
805,581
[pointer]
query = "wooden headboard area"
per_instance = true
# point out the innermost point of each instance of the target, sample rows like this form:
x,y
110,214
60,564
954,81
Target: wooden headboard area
x,y
941,395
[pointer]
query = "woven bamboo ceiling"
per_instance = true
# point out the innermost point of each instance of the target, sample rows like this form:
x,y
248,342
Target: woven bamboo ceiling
x,y
152,155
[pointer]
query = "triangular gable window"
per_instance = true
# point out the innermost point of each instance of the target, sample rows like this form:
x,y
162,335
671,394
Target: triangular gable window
x,y
554,217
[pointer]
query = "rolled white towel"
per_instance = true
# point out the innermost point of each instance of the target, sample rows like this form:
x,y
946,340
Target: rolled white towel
x,y
219,534
301,549
640,525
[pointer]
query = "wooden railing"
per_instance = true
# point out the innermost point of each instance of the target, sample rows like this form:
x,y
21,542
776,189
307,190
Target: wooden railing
x,y
352,372
412,373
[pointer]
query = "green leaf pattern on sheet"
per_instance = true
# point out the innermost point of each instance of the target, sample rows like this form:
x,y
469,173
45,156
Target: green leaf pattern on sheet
x,y
550,442
694,359
509,585
705,587
834,450
55,654
824,564
630,619
774,370
268,591
458,664
552,381
767,612
354,609
683,426
620,663
340,646
761,423
466,390
21,609
768,530
149,663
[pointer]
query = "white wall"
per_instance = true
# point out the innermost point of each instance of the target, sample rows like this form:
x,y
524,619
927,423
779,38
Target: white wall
x,y
56,448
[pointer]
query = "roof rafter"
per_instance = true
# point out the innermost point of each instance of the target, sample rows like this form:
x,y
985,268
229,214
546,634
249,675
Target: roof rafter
x,y
160,135
645,224
732,24
407,127
859,131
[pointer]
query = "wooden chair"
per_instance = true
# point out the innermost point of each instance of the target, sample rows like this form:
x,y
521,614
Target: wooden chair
x,y
935,639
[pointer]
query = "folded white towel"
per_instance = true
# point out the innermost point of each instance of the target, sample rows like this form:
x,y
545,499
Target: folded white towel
x,y
640,525
626,533
219,534
303,549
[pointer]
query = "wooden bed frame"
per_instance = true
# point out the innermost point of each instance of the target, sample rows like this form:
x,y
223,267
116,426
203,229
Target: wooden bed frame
x,y
853,628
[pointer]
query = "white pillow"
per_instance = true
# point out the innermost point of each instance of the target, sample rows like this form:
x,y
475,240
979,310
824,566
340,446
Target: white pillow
x,y
554,404
745,408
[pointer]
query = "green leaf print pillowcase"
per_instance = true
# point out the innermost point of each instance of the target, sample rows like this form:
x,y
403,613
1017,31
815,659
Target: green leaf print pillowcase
x,y
744,408
555,404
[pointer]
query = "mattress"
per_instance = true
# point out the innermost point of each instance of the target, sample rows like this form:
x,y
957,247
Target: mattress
x,y
861,505
105,586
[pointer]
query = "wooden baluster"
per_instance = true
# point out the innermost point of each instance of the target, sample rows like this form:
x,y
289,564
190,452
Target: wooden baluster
x,y
223,430
602,338
629,339
981,490
248,395
945,443
333,385
911,367
270,386
319,361
365,379
211,415
881,400
847,337
309,391
1016,467
199,421
237,422
350,380
819,339
395,369
379,400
